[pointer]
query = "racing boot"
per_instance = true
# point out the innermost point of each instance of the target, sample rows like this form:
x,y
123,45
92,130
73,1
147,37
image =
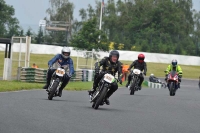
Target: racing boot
x,y
46,85
92,90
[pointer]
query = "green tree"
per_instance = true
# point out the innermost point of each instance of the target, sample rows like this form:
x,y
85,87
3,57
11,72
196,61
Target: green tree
x,y
9,25
88,37
39,38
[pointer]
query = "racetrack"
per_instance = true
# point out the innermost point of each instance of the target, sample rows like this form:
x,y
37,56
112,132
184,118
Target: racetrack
x,y
148,111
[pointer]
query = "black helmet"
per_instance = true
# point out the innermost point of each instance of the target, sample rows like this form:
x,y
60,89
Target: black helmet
x,y
114,52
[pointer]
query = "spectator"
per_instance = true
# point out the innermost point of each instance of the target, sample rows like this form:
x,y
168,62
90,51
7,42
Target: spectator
x,y
34,65
125,72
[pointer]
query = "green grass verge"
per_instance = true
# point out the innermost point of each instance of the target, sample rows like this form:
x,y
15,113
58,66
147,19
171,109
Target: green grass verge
x,y
157,69
17,85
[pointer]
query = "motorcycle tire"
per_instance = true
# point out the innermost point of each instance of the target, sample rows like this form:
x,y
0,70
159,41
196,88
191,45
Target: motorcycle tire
x,y
100,98
53,90
171,89
132,87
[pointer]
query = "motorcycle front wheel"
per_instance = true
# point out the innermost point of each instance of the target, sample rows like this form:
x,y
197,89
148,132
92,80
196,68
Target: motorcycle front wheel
x,y
100,98
53,90
172,89
132,87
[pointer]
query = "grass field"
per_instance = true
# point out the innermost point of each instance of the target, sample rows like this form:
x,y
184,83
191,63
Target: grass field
x,y
157,69
17,85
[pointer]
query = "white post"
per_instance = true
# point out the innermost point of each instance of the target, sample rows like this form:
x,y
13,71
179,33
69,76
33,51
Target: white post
x,y
20,52
100,18
26,51
7,69
92,58
77,62
27,56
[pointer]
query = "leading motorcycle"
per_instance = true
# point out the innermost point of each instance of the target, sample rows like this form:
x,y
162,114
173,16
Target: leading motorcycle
x,y
56,81
98,97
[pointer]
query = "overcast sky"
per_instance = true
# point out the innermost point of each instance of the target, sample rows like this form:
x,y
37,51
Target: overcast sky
x,y
29,12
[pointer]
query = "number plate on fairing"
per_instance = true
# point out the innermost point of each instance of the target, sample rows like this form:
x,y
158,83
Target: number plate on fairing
x,y
109,78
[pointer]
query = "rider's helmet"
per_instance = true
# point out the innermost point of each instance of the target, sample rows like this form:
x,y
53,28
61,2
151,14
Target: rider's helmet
x,y
65,50
174,62
152,75
141,58
112,53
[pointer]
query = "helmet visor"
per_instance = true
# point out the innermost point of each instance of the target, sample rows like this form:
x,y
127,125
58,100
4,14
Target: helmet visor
x,y
66,53
174,63
140,58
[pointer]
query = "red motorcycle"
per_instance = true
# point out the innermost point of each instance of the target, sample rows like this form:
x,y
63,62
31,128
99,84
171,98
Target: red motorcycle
x,y
172,82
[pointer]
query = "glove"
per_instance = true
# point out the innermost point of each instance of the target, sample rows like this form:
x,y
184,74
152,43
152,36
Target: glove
x,y
97,72
179,78
144,74
50,67
69,75
166,77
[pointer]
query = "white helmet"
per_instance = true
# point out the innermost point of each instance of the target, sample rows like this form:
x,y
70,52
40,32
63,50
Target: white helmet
x,y
152,74
65,50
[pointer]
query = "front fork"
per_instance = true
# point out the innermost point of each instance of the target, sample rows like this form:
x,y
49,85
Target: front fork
x,y
52,82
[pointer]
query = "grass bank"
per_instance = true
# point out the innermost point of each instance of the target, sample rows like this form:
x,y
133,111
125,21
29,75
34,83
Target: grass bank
x,y
17,85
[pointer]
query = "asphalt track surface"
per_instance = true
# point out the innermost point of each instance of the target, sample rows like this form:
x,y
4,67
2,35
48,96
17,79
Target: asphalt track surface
x,y
148,111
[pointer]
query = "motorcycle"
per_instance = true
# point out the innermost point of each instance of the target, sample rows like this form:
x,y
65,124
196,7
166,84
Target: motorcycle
x,y
104,85
56,81
135,81
163,85
172,82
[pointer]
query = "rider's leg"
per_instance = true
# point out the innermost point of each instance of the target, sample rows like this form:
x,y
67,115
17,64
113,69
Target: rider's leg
x,y
129,80
113,88
141,80
48,77
64,83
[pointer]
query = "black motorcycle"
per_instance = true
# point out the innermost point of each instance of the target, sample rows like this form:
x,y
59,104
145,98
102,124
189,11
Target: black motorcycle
x,y
104,85
134,84
56,81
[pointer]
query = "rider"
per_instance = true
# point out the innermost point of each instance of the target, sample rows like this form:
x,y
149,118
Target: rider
x,y
109,64
174,66
138,64
60,60
152,78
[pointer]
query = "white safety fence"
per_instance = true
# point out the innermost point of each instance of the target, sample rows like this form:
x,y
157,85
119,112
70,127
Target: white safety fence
x,y
154,85
124,55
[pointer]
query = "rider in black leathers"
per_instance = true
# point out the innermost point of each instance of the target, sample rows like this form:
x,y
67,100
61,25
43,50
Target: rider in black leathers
x,y
109,64
138,64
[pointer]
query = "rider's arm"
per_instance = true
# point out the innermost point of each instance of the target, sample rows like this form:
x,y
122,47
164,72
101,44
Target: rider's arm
x,y
102,62
119,69
145,68
131,65
168,69
53,60
99,64
180,72
71,67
